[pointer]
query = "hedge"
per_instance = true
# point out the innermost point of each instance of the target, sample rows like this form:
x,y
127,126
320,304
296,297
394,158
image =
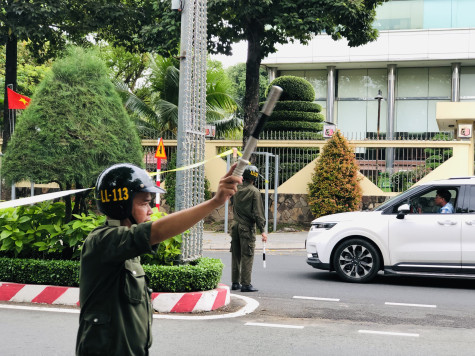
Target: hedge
x,y
202,274
285,115
31,271
295,88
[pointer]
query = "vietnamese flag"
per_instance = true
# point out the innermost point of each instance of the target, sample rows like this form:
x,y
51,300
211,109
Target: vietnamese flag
x,y
17,101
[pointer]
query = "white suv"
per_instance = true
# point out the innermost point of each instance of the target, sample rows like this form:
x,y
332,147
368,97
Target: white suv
x,y
407,235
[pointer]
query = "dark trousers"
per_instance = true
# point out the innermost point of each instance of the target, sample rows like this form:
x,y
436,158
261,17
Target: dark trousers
x,y
243,243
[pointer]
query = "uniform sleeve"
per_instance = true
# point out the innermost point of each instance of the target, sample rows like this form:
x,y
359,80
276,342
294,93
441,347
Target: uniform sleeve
x,y
123,243
258,212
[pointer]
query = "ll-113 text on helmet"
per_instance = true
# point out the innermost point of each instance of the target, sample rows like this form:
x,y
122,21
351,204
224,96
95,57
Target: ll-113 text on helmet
x,y
116,187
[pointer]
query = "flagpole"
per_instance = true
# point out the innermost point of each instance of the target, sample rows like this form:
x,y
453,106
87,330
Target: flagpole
x,y
11,114
11,119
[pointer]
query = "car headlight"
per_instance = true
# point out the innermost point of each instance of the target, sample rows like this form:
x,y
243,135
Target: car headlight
x,y
321,225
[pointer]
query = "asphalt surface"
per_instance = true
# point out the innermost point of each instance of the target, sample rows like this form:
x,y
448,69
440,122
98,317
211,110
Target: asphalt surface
x,y
275,241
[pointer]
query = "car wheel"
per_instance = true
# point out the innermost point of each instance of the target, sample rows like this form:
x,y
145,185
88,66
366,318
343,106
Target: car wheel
x,y
356,261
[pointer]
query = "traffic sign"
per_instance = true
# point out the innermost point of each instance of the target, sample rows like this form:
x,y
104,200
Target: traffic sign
x,y
160,150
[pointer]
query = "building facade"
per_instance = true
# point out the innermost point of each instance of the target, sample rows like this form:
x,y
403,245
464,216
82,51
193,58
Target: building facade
x,y
425,54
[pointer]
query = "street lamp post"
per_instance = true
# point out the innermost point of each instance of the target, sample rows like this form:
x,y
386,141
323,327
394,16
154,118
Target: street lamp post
x,y
378,97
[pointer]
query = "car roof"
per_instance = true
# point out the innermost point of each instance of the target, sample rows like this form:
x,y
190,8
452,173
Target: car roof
x,y
453,180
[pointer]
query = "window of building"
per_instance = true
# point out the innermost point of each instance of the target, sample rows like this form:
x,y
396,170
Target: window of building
x,y
425,14
356,110
467,84
418,91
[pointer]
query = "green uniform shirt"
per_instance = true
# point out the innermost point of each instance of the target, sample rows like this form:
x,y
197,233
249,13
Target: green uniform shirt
x,y
248,208
116,312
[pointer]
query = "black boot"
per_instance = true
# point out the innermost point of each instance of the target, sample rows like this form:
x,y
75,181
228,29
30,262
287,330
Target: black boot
x,y
235,286
248,288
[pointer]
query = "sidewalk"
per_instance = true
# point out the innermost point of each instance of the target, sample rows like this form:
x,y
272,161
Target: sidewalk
x,y
275,241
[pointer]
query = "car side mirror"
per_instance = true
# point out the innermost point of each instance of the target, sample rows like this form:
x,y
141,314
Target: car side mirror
x,y
402,211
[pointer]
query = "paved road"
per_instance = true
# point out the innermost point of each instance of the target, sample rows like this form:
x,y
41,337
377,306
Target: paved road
x,y
437,318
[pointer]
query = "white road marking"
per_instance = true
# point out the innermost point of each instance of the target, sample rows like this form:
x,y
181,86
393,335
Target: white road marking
x,y
390,333
275,325
317,298
413,305
23,307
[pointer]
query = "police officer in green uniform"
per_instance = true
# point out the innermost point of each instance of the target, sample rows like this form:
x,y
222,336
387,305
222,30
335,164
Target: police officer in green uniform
x,y
116,312
248,212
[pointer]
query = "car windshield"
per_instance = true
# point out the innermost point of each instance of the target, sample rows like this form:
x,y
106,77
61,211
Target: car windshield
x,y
401,196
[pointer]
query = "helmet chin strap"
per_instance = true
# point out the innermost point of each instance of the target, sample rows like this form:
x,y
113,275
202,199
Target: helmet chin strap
x,y
132,220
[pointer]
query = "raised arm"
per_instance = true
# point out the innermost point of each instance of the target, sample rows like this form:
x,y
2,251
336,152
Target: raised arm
x,y
180,221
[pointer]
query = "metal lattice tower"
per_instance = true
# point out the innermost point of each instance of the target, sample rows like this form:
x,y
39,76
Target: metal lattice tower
x,y
192,119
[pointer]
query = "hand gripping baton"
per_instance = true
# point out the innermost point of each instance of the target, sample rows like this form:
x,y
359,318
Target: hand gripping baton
x,y
251,144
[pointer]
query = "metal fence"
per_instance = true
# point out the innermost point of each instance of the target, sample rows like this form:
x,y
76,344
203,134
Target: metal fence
x,y
407,165
393,169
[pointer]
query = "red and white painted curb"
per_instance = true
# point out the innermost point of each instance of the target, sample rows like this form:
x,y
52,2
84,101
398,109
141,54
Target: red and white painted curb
x,y
191,302
32,293
162,302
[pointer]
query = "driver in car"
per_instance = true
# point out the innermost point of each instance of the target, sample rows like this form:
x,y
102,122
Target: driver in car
x,y
442,199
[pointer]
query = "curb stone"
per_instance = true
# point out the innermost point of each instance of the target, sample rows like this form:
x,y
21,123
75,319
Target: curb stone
x,y
162,302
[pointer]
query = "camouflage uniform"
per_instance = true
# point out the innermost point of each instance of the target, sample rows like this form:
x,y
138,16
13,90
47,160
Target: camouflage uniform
x,y
248,212
116,312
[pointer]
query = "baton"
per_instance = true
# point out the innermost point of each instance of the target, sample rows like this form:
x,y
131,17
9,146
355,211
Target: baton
x,y
251,144
264,255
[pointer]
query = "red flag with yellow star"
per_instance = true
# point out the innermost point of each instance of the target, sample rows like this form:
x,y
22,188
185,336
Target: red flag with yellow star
x,y
17,101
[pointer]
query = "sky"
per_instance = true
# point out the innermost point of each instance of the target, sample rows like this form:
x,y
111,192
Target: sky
x,y
239,55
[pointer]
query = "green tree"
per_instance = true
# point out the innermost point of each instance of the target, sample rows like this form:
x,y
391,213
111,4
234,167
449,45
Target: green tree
x,y
335,185
160,110
265,23
48,25
29,71
237,74
125,66
74,127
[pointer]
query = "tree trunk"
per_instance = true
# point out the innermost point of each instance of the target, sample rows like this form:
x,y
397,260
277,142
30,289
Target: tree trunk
x,y
251,98
67,202
10,78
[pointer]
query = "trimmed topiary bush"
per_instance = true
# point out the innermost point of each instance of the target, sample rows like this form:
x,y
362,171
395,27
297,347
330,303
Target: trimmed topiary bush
x,y
295,88
297,106
335,185
294,116
284,115
294,125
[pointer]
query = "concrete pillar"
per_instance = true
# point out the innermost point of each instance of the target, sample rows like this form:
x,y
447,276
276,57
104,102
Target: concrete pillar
x,y
455,82
331,78
272,74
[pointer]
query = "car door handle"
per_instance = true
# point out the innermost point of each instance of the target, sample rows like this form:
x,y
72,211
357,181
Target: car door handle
x,y
472,222
447,222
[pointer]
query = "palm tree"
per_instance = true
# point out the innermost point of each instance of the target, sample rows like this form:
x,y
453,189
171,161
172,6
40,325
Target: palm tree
x,y
160,110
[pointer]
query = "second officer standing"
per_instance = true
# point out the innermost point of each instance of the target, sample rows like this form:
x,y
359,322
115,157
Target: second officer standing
x,y
248,213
